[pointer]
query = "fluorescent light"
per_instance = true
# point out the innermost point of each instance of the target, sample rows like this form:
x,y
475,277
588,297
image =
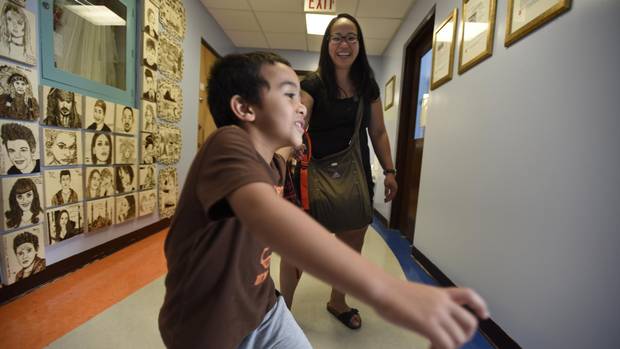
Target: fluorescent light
x,y
316,24
97,15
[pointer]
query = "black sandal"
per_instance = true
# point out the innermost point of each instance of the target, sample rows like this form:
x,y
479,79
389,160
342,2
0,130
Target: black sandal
x,y
346,317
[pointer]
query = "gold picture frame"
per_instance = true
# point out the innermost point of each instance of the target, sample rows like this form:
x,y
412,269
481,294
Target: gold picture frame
x,y
477,32
530,16
444,38
390,86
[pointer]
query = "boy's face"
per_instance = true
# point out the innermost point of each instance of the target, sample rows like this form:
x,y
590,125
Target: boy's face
x,y
20,153
65,181
25,254
281,115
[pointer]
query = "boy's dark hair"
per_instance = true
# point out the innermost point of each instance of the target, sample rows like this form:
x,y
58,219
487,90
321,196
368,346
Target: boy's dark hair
x,y
26,237
237,74
361,73
13,132
65,173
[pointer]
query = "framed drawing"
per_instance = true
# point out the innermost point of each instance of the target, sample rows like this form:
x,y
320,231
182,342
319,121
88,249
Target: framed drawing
x,y
22,201
126,178
98,148
19,35
19,92
168,191
149,52
98,114
23,253
443,51
149,110
147,201
99,182
63,187
525,16
126,206
170,62
146,177
170,103
61,108
477,32
148,151
389,92
172,17
99,213
65,222
126,120
169,143
62,147
19,149
151,19
125,149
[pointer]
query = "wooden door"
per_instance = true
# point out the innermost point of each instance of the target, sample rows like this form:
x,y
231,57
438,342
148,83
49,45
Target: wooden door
x,y
206,125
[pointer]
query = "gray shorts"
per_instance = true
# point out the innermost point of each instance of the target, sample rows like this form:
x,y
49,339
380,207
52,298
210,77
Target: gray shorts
x,y
278,330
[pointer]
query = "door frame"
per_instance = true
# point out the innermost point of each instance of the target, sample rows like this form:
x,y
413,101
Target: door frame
x,y
407,114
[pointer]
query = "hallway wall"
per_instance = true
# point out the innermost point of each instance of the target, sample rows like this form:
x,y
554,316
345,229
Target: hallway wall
x,y
519,193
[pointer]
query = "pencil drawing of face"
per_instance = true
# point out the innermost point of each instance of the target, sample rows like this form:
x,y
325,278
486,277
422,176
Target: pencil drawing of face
x,y
148,116
19,153
17,99
147,177
63,187
17,41
99,114
62,147
65,222
168,190
147,201
126,178
126,121
99,148
62,108
24,253
125,150
22,201
125,208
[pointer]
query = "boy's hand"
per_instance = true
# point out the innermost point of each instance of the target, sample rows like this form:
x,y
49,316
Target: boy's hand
x,y
436,313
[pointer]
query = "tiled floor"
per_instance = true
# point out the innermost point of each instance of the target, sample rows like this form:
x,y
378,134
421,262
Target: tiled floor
x,y
113,303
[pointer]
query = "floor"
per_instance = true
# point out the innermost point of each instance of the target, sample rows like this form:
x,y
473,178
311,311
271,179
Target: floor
x,y
113,303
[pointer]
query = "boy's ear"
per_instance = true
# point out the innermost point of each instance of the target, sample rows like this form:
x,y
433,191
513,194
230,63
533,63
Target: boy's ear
x,y
242,109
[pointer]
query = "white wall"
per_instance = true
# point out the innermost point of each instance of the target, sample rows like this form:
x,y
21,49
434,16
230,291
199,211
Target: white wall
x,y
200,24
519,195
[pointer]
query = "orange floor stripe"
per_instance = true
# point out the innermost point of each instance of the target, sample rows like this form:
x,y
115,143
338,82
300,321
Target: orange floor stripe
x,y
46,314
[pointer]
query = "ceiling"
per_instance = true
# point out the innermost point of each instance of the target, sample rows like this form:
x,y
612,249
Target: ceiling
x,y
281,24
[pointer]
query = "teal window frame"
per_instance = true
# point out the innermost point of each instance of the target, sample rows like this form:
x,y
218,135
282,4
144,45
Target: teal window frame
x,y
52,76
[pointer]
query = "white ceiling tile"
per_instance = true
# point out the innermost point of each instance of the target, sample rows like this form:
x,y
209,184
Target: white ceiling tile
x,y
385,9
235,20
281,22
314,42
247,39
379,28
227,4
277,5
375,47
287,41
347,6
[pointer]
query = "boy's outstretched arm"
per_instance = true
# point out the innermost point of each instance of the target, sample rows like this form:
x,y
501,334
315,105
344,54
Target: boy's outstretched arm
x,y
436,313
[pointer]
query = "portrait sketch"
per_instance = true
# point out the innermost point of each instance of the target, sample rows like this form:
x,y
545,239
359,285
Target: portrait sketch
x,y
23,253
62,147
125,150
172,17
65,222
168,191
126,207
148,150
19,92
151,19
62,108
99,114
149,85
169,144
98,148
17,33
126,120
146,202
149,52
146,177
170,60
19,152
99,182
99,213
126,178
63,187
170,102
149,109
22,201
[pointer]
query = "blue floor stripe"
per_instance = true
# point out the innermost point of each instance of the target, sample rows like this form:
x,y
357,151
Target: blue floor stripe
x,y
414,272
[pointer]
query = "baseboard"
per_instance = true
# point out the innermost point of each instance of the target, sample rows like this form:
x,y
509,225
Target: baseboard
x,y
380,217
491,330
77,261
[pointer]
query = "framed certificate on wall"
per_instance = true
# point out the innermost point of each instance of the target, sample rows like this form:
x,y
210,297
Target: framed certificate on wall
x,y
477,29
443,51
524,16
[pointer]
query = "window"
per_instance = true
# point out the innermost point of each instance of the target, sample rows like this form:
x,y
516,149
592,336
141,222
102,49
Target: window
x,y
89,47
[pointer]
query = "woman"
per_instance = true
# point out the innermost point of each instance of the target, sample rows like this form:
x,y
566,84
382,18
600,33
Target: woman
x,y
148,150
149,118
61,147
107,183
15,34
64,228
26,248
331,97
124,179
24,205
101,149
18,102
126,208
93,187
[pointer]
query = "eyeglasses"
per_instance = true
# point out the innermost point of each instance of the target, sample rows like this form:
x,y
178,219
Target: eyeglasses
x,y
337,39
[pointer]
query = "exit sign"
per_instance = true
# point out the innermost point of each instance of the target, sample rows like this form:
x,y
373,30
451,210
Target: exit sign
x,y
326,6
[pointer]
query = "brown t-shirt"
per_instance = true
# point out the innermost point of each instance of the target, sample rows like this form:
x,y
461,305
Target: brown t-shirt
x,y
218,287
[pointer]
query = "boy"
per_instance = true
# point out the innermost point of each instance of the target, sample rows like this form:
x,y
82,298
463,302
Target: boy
x,y
231,215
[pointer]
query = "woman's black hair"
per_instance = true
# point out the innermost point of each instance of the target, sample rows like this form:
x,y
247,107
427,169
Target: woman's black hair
x,y
14,214
237,74
361,73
